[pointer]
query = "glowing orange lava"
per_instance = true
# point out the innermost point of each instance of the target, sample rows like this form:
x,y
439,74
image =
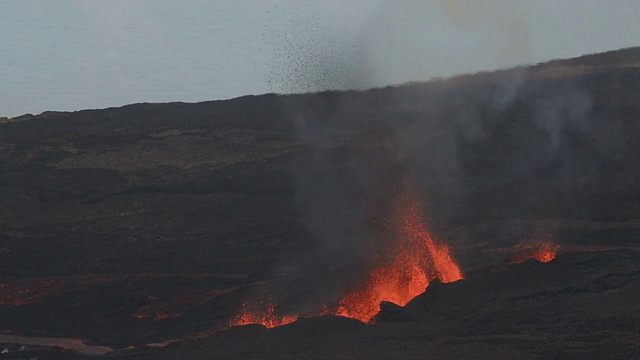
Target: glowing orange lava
x,y
545,252
397,282
411,262
419,260
442,262
266,317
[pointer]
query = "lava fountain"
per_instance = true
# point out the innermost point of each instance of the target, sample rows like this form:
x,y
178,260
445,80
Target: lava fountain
x,y
404,271
417,261
441,261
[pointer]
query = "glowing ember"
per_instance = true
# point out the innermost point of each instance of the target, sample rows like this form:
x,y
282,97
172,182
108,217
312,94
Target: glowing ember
x,y
545,252
266,317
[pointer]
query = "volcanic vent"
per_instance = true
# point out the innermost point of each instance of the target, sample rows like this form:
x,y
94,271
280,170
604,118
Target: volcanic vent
x,y
410,260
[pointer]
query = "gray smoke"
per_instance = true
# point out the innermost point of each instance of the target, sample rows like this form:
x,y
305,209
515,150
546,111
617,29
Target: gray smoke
x,y
490,156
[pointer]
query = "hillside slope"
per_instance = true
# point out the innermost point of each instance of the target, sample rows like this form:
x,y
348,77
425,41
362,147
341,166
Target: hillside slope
x,y
153,222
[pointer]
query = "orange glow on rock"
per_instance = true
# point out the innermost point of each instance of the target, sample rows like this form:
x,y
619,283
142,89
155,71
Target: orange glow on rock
x,y
544,253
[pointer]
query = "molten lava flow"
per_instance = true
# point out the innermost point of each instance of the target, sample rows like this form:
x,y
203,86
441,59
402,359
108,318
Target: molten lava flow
x,y
266,317
545,252
418,260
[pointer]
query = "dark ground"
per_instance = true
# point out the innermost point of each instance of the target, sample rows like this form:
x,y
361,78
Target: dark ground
x,y
153,222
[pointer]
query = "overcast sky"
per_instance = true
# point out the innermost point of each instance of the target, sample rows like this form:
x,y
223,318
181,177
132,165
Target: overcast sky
x,y
78,54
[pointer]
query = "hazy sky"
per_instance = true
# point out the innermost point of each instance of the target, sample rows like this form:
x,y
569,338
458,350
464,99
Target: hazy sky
x,y
77,54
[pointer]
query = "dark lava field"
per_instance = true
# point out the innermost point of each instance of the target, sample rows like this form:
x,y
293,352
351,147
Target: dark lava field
x,y
146,230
